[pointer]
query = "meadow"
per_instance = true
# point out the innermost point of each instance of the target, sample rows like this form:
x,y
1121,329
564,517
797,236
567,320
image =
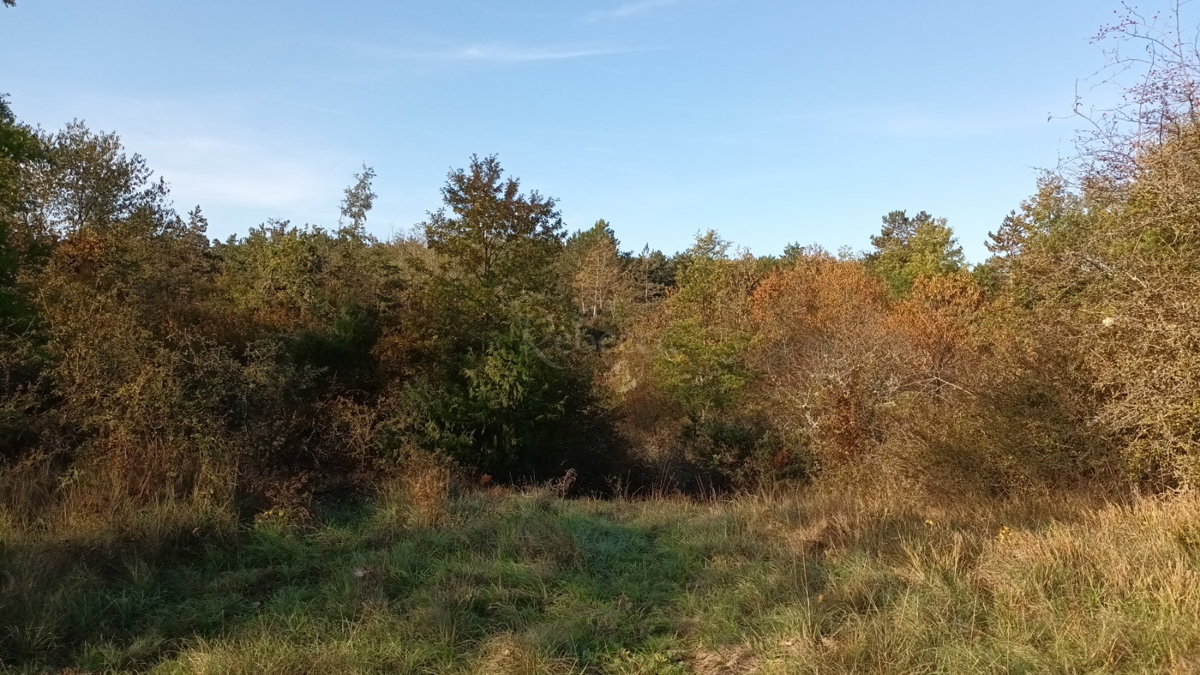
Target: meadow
x,y
525,581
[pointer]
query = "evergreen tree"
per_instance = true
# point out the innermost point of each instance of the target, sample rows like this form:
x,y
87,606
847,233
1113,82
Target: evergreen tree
x,y
504,324
907,248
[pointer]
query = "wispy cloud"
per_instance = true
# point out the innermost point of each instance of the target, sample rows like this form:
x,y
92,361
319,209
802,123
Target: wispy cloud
x,y
511,53
632,9
309,107
488,53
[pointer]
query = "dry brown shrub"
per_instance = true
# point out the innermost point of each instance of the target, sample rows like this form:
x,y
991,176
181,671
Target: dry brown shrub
x,y
1140,327
647,419
945,388
825,356
1113,274
986,404
426,482
289,501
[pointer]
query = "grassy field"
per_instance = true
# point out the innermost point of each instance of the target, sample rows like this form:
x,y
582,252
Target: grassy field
x,y
524,582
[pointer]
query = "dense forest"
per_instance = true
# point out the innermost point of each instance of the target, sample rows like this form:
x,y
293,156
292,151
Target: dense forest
x,y
298,360
142,359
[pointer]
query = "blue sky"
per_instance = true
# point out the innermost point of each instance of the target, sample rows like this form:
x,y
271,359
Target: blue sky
x,y
769,121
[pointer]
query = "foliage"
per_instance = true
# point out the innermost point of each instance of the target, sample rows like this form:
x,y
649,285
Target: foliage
x,y
494,243
600,283
506,382
1114,273
908,248
824,355
296,361
1105,255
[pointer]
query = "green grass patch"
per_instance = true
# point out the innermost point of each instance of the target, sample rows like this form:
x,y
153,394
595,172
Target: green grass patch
x,y
524,583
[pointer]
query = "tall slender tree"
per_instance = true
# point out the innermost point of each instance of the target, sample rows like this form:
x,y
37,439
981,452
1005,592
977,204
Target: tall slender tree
x,y
359,199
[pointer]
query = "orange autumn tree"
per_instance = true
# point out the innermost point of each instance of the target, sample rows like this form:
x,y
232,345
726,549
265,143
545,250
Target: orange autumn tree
x,y
823,354
944,387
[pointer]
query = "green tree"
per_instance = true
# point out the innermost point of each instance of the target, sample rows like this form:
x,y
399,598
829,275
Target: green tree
x,y
600,284
90,182
20,252
1045,221
494,242
502,325
907,248
653,274
702,360
357,202
19,147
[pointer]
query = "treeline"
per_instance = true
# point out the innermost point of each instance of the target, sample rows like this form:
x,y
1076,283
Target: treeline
x,y
142,360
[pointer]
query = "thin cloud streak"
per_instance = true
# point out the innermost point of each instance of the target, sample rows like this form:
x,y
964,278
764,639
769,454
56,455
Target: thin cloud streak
x,y
310,107
506,53
632,9
611,70
489,53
